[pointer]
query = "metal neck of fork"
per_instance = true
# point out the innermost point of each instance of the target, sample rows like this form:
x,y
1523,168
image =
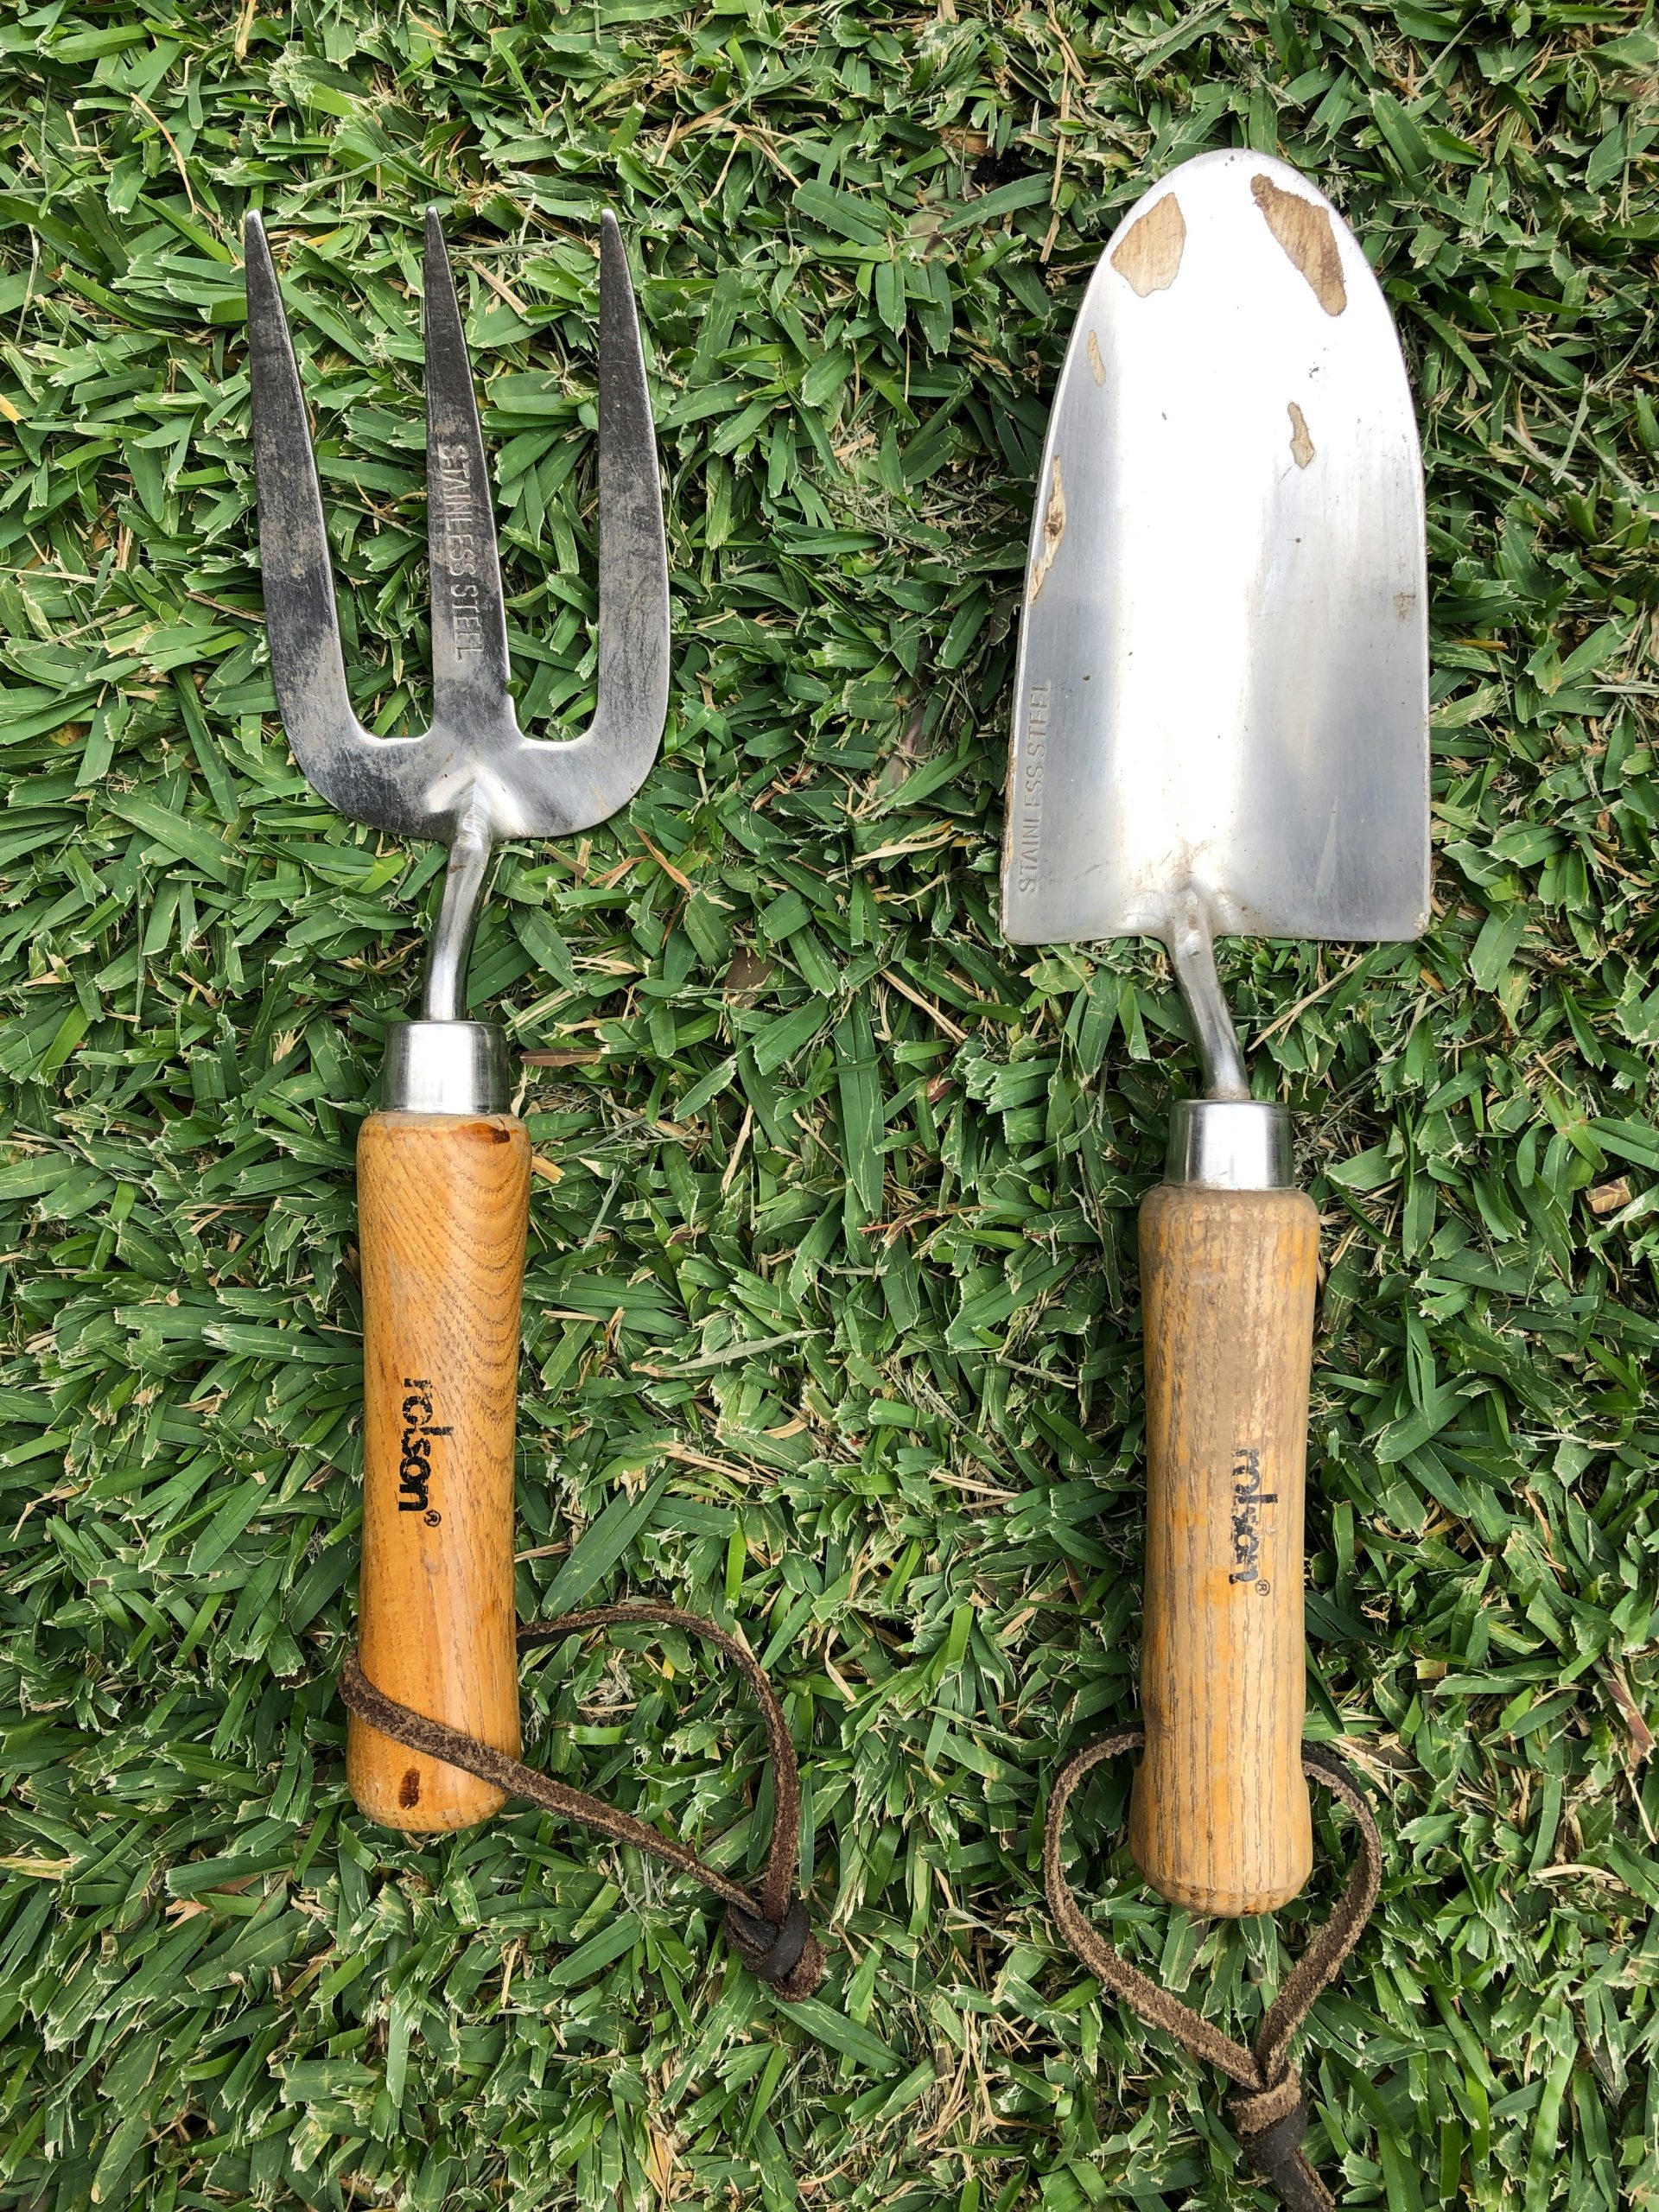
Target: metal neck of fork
x,y
463,894
445,1063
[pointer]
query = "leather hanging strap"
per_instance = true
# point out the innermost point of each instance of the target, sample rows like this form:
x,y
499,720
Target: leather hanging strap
x,y
1268,2109
767,1926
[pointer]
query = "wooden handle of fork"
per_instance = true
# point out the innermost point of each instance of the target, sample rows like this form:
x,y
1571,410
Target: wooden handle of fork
x,y
443,1202
1218,1817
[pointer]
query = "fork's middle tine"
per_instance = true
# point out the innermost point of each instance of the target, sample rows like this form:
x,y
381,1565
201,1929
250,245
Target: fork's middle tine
x,y
469,619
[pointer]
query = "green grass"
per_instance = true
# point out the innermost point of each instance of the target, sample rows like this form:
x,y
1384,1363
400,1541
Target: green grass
x,y
810,1104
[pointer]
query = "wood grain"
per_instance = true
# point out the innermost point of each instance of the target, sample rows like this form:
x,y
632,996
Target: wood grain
x,y
443,1205
1218,1818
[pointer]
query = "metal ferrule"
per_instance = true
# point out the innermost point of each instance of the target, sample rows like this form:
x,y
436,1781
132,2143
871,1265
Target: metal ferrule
x,y
446,1067
1229,1144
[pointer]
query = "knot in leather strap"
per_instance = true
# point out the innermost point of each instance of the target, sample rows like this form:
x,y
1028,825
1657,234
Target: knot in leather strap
x,y
1256,2113
775,1952
1268,2108
1273,2147
767,1926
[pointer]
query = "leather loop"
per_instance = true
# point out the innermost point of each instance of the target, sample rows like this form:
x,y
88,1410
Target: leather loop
x,y
768,1926
1270,2115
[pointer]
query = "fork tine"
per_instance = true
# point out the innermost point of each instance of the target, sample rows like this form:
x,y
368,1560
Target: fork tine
x,y
469,620
299,585
633,616
380,780
569,786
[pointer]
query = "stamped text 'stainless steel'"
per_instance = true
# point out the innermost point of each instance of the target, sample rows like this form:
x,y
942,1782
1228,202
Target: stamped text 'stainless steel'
x,y
443,1169
1222,728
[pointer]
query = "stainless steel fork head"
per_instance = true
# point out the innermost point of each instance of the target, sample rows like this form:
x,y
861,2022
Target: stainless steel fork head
x,y
474,777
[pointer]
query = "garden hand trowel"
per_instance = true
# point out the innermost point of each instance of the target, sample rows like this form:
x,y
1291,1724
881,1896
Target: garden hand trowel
x,y
1221,729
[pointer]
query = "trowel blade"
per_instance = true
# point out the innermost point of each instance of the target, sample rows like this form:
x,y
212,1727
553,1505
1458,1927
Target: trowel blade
x,y
1223,667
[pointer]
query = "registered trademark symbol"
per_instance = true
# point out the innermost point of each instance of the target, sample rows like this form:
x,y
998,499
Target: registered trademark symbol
x,y
1263,1589
433,1519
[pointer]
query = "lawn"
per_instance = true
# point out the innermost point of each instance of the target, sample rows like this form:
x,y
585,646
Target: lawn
x,y
832,1322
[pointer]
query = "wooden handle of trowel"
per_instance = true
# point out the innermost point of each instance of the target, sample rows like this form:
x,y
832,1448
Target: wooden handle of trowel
x,y
1218,1820
443,1204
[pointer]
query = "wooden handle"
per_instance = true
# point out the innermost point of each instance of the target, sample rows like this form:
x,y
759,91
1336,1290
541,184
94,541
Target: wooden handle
x,y
1218,1818
443,1202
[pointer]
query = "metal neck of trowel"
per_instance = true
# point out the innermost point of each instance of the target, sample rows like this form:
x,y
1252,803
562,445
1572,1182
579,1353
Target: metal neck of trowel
x,y
1225,1140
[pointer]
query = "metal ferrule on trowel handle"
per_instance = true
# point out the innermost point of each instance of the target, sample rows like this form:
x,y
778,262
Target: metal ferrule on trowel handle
x,y
443,1169
1221,729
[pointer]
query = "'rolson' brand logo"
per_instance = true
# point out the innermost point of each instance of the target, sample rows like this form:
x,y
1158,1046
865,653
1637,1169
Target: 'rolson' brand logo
x,y
1248,1498
415,1452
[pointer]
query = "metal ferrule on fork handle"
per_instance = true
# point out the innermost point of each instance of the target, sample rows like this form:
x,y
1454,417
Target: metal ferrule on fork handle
x,y
445,1067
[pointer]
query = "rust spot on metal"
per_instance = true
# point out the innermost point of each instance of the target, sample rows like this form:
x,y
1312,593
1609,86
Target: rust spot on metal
x,y
1301,446
408,1789
1151,252
1304,230
1053,531
1097,363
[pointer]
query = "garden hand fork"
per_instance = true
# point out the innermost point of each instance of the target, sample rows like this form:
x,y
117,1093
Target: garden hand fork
x,y
443,1169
